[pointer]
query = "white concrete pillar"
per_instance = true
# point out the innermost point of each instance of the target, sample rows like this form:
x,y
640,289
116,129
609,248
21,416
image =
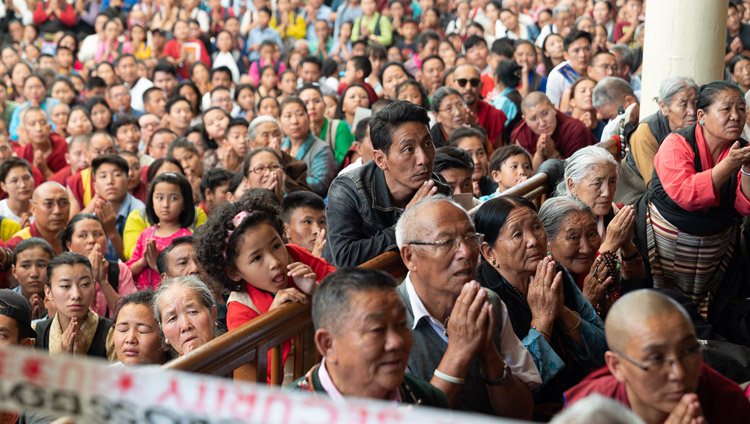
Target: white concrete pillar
x,y
683,38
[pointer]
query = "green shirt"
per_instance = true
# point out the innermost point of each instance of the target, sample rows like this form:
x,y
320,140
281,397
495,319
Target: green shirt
x,y
340,141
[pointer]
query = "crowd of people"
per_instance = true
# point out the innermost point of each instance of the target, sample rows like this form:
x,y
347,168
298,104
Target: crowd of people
x,y
171,170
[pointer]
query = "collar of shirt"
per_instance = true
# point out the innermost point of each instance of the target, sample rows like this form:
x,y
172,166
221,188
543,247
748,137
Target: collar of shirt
x,y
128,205
287,143
333,392
420,311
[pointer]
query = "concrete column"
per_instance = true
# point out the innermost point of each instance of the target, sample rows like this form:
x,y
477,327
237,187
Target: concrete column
x,y
683,38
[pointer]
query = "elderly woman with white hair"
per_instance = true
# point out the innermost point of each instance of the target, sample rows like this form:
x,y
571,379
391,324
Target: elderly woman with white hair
x,y
591,176
677,110
186,311
574,242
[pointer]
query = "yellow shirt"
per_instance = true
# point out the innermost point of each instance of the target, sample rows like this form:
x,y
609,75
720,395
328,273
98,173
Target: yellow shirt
x,y
9,228
296,29
137,222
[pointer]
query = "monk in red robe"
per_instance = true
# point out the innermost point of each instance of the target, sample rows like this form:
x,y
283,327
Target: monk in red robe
x,y
655,366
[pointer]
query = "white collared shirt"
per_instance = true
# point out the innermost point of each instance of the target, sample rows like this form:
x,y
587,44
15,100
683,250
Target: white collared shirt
x,y
511,349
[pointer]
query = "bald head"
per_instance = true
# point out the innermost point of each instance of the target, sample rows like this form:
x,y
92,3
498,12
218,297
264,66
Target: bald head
x,y
46,190
628,315
534,99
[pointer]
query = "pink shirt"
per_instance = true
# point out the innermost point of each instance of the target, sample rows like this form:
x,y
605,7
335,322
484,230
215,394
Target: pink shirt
x,y
692,190
125,286
122,48
143,280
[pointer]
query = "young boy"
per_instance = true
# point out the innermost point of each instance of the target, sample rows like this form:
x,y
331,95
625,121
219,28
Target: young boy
x,y
304,217
358,68
234,145
110,174
509,165
409,30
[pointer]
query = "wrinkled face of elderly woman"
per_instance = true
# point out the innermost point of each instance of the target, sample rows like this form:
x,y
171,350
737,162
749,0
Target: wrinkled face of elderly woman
x,y
576,243
186,322
597,188
725,117
681,111
522,241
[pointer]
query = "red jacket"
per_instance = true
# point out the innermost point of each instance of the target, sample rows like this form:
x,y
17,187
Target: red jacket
x,y
67,14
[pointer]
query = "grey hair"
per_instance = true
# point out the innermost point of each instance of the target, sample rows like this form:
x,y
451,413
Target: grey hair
x,y
27,109
406,228
639,30
581,19
554,211
253,127
582,162
611,90
670,86
597,409
191,283
626,56
61,104
559,9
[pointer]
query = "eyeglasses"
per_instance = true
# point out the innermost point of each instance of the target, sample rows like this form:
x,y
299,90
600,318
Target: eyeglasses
x,y
604,66
474,82
658,363
458,107
449,245
260,170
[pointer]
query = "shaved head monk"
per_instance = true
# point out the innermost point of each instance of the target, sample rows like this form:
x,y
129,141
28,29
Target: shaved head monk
x,y
547,133
51,209
655,366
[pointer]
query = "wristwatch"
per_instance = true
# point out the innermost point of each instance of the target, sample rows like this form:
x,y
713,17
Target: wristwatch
x,y
497,381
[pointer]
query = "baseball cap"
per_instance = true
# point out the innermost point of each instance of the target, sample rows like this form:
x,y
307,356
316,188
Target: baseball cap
x,y
15,306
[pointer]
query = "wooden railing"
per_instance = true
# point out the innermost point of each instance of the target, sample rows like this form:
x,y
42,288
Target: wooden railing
x,y
243,351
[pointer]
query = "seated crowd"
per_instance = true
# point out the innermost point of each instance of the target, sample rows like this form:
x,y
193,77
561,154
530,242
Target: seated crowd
x,y
172,171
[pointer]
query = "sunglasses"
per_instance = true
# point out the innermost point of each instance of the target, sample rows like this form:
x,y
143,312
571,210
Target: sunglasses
x,y
462,82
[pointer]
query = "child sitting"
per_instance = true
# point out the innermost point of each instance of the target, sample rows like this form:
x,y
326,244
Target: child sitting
x,y
509,165
170,206
304,216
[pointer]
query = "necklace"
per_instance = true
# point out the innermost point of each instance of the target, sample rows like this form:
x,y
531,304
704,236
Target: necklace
x,y
520,295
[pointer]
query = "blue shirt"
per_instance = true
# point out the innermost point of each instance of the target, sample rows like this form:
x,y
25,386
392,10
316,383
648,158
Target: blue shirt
x,y
321,164
128,205
258,35
16,118
505,104
323,14
345,13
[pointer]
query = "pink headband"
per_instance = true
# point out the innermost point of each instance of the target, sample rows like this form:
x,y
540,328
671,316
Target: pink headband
x,y
236,221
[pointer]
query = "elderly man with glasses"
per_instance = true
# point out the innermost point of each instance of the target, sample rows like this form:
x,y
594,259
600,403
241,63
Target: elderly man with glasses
x,y
463,341
655,366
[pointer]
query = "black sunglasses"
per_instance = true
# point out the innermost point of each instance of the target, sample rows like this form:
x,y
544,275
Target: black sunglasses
x,y
462,82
